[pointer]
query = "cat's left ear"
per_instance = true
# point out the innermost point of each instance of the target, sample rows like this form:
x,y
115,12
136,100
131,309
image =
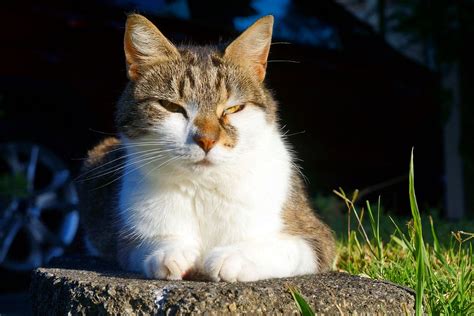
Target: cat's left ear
x,y
145,45
251,48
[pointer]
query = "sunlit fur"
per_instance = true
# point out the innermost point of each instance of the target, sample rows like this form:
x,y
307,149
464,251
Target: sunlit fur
x,y
236,213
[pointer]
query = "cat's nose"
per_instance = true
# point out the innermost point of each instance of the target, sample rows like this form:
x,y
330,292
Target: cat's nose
x,y
206,143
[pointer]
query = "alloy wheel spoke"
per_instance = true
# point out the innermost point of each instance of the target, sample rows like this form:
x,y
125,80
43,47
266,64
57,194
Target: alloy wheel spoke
x,y
42,234
11,156
50,201
31,169
59,179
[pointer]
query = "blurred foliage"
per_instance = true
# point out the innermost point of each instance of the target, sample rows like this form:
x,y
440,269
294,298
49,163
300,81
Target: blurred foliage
x,y
13,185
446,28
442,24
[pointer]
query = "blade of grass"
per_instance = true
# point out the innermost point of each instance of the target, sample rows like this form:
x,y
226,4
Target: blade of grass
x,y
351,206
406,242
303,306
375,227
419,243
435,236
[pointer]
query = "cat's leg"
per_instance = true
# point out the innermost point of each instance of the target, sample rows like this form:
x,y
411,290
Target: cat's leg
x,y
169,259
280,256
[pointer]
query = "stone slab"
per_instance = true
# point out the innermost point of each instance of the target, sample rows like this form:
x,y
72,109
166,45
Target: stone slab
x,y
86,286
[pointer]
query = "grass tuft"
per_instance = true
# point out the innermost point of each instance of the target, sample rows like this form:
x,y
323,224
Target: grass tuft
x,y
439,270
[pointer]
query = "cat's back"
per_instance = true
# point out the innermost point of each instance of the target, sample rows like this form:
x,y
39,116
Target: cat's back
x,y
98,186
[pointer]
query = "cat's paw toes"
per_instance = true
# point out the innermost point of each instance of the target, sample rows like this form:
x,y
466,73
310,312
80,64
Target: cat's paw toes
x,y
170,264
231,265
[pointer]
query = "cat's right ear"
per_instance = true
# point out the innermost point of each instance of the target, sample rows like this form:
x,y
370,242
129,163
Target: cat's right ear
x,y
145,45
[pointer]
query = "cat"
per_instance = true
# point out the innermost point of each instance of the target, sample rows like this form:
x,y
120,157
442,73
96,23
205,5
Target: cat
x,y
200,181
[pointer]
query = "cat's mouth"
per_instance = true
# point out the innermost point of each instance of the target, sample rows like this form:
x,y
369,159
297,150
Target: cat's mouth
x,y
203,162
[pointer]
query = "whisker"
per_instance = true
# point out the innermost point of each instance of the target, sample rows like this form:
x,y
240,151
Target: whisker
x,y
124,165
103,133
144,144
121,157
300,172
284,61
109,162
296,133
278,43
126,173
161,165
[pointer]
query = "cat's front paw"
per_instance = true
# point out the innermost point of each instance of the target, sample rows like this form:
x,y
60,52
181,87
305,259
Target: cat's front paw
x,y
230,264
170,263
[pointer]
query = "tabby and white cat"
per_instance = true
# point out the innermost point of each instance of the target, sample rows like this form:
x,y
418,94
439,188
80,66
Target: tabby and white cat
x,y
200,181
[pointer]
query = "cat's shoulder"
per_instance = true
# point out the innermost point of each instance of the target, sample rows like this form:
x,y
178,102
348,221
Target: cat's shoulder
x,y
107,148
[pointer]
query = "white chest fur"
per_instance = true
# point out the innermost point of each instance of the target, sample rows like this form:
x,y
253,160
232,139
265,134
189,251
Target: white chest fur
x,y
225,221
223,205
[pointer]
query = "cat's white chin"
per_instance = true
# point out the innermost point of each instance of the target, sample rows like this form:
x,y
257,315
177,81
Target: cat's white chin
x,y
204,163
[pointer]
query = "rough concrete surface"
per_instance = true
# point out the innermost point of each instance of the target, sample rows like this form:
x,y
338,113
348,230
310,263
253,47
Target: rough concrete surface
x,y
86,286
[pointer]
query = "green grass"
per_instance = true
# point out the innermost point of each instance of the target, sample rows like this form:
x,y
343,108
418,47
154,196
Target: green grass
x,y
13,185
301,303
438,267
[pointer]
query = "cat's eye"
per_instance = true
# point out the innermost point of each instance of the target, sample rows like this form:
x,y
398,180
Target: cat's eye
x,y
234,109
173,107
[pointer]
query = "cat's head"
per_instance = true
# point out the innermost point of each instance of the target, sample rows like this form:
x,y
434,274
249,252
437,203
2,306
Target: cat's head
x,y
197,105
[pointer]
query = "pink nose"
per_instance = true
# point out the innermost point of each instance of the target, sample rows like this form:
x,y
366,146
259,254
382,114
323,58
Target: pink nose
x,y
204,142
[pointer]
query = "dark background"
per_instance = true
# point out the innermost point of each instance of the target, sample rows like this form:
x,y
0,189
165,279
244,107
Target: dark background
x,y
356,110
353,105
